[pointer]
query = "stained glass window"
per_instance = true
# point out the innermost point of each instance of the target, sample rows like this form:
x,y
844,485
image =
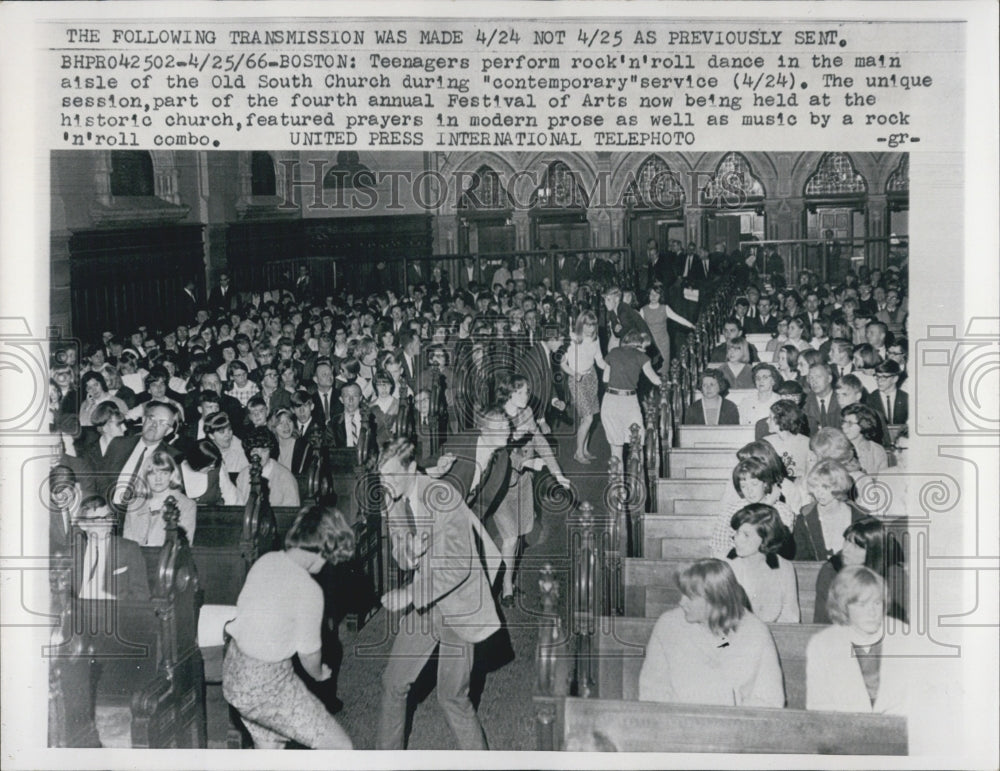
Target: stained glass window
x,y
486,191
655,186
559,188
899,180
835,175
733,183
131,173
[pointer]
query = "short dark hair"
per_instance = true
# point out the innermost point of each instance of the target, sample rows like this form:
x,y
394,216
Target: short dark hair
x,y
770,528
718,377
262,438
867,420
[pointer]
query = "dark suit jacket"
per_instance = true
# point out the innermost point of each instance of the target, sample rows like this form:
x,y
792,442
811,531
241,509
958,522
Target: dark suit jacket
x,y
729,414
755,326
538,268
625,320
567,270
811,409
219,302
900,406
121,448
808,533
338,429
697,275
336,406
494,481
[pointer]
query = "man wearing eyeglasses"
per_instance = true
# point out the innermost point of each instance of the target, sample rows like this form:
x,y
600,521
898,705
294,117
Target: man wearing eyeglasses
x,y
889,401
126,454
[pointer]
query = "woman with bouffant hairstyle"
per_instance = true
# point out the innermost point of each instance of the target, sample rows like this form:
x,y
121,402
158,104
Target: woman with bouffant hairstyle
x,y
279,614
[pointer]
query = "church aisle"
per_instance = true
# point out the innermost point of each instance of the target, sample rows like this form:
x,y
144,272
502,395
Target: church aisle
x,y
505,663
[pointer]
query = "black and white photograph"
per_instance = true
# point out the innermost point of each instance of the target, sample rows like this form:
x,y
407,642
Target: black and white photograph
x,y
543,434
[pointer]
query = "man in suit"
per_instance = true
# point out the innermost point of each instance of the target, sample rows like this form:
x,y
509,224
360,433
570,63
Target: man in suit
x,y
565,267
822,408
303,285
658,267
230,405
313,430
892,404
812,308
622,318
409,345
765,320
346,424
700,271
454,563
126,454
840,356
324,398
222,298
188,304
536,366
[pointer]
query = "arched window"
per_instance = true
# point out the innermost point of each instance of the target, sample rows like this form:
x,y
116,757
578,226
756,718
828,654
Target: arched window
x,y
899,180
262,180
349,171
656,186
733,183
835,175
485,191
131,173
559,189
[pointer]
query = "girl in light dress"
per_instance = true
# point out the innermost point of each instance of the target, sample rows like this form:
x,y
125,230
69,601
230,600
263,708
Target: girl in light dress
x,y
583,353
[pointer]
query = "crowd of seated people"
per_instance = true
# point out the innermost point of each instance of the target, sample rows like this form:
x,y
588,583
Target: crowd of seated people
x,y
288,378
824,414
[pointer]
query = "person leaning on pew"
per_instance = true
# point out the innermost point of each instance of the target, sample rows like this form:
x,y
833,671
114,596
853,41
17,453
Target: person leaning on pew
x,y
279,614
712,649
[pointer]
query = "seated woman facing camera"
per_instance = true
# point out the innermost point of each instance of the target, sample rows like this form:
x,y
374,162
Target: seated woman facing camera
x,y
712,649
819,530
855,665
713,408
755,481
767,578
159,479
279,615
866,542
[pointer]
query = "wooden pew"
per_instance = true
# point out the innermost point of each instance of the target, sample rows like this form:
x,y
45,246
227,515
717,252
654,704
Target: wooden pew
x,y
701,463
690,496
759,340
706,437
676,535
633,726
620,646
144,656
651,589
